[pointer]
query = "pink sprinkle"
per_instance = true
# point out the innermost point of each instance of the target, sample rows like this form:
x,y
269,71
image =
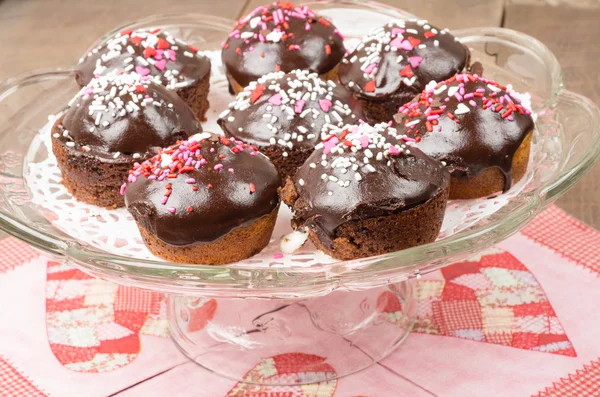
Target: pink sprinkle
x,y
171,210
123,187
370,68
364,141
327,146
90,91
299,105
434,117
275,100
172,55
230,170
190,181
472,103
307,26
164,200
393,150
218,166
511,118
325,104
142,70
405,45
469,95
234,33
397,31
202,161
339,34
408,139
278,256
397,42
160,65
458,97
159,55
415,61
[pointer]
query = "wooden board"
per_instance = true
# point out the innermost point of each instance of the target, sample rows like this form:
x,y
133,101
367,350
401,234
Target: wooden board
x,y
572,34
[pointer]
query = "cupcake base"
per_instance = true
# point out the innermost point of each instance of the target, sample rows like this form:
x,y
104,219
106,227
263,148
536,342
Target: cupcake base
x,y
196,97
235,246
91,179
491,181
380,235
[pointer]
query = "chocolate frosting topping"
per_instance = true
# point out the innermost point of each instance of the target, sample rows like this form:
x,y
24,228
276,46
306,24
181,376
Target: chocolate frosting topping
x,y
400,59
126,115
281,37
470,123
169,61
202,189
358,174
294,110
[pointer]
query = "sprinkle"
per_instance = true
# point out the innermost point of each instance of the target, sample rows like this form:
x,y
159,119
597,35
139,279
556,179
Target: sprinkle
x,y
252,188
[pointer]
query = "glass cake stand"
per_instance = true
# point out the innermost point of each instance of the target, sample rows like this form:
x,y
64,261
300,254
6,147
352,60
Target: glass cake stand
x,y
347,314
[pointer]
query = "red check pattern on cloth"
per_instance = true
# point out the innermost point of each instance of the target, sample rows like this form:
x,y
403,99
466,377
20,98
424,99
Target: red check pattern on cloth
x,y
567,236
13,383
490,298
14,253
585,382
518,298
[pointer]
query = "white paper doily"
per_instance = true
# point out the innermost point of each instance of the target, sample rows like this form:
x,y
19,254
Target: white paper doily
x,y
115,231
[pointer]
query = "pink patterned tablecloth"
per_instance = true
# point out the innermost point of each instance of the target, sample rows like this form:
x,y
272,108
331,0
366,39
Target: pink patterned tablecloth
x,y
520,319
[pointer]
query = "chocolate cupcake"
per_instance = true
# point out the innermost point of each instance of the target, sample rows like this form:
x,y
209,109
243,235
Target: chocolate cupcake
x,y
281,37
286,115
361,195
110,124
393,64
480,129
209,200
167,60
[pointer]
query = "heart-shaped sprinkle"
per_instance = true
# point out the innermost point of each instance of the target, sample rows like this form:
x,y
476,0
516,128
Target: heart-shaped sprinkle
x,y
397,31
159,55
136,40
429,34
327,146
407,72
127,32
149,52
397,42
405,45
325,105
257,93
415,61
160,65
171,55
414,41
461,109
275,100
370,86
162,44
142,71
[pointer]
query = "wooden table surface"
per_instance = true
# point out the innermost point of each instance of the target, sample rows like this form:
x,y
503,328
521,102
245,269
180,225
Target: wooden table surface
x,y
50,33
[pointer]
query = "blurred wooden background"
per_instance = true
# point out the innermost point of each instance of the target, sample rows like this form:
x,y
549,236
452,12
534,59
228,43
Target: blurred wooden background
x,y
50,33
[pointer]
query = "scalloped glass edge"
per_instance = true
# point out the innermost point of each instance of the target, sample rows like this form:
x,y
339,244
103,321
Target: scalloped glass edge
x,y
371,272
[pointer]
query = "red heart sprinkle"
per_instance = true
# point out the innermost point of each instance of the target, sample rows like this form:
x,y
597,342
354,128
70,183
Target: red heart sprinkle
x,y
413,41
407,72
136,40
162,44
370,86
257,92
429,34
140,88
127,32
149,52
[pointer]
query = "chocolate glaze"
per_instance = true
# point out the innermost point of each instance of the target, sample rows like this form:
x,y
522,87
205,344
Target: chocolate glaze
x,y
103,120
402,67
291,124
482,138
204,203
170,61
394,180
276,45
